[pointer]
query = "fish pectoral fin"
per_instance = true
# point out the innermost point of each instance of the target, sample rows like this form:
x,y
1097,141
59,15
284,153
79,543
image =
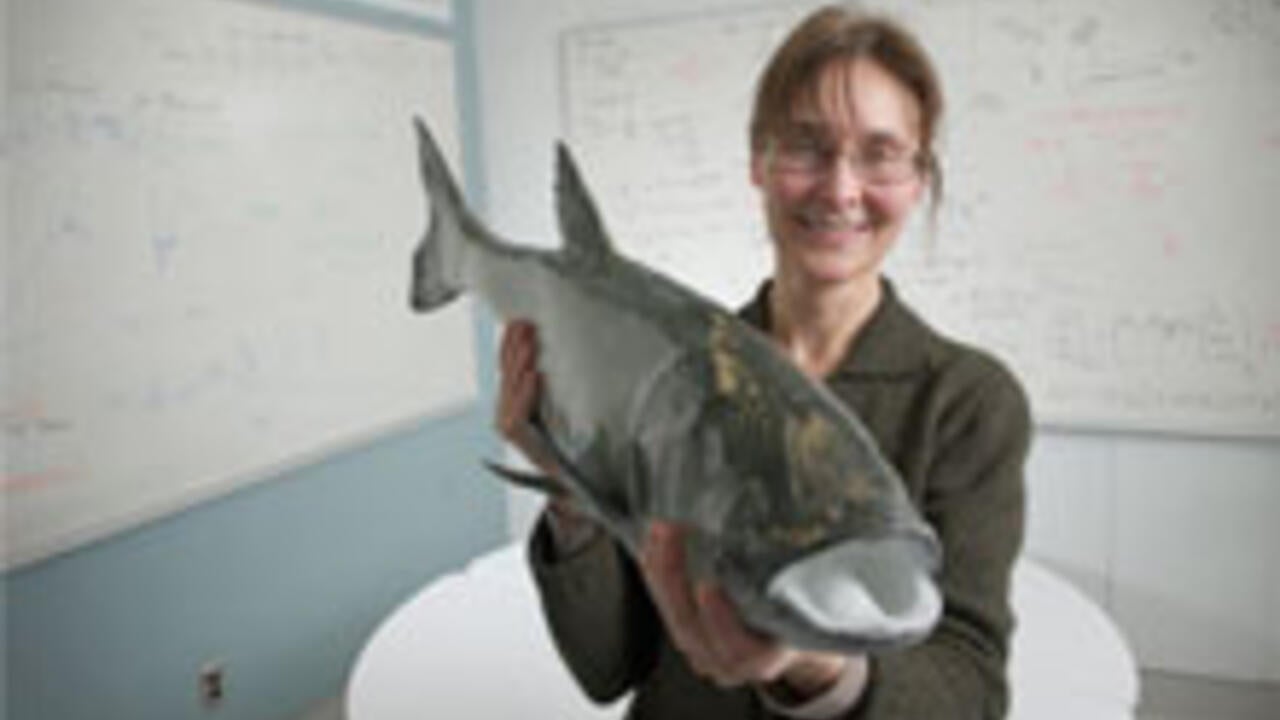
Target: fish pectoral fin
x,y
577,483
532,481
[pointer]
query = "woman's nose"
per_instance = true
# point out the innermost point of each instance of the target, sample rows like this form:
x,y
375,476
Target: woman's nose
x,y
840,182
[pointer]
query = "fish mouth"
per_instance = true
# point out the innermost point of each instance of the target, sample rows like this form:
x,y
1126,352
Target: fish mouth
x,y
871,591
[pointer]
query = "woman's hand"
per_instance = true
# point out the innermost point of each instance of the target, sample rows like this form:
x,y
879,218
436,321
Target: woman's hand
x,y
519,390
518,394
707,629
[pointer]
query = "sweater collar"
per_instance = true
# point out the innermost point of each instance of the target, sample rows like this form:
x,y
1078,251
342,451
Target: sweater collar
x,y
894,342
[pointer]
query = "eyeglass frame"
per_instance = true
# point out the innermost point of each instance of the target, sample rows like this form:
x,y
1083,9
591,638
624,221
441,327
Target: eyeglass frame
x,y
804,153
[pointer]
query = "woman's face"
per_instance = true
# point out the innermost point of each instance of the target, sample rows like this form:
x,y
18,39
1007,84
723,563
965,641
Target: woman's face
x,y
839,182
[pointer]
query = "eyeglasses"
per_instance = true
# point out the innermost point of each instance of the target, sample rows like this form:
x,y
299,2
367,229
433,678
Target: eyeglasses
x,y
880,165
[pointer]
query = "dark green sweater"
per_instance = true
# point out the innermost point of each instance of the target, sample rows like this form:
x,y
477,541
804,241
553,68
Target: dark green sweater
x,y
956,425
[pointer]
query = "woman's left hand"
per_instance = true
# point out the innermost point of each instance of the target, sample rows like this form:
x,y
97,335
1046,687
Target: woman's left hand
x,y
707,629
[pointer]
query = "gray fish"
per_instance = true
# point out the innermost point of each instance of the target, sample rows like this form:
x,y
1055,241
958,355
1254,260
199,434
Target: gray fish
x,y
659,404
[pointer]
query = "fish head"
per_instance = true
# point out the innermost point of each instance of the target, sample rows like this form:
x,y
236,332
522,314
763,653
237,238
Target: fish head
x,y
826,550
819,542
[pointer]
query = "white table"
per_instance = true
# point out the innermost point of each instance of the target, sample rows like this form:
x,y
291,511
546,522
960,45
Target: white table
x,y
474,644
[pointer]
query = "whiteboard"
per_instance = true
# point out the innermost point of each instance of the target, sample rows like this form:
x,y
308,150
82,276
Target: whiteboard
x,y
213,206
1113,175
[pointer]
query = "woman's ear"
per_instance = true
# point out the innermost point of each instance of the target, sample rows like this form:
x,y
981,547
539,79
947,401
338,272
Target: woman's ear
x,y
923,187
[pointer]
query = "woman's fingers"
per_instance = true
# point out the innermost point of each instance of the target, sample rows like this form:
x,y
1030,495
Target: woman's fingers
x,y
702,622
743,655
510,338
664,569
509,418
519,390
518,345
663,566
518,384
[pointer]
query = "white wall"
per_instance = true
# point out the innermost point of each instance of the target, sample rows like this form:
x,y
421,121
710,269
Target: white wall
x,y
1172,535
1176,537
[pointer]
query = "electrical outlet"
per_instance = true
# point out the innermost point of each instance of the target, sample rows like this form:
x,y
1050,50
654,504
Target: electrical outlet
x,y
211,685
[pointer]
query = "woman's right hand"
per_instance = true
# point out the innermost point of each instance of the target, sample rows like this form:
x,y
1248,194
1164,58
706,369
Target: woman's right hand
x,y
518,395
519,391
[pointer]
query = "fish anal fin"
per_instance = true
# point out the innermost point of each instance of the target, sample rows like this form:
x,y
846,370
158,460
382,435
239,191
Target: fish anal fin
x,y
533,481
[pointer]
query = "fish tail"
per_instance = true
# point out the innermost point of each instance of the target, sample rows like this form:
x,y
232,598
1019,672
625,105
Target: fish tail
x,y
436,261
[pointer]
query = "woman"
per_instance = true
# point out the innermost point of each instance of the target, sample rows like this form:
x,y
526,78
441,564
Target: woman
x,y
842,153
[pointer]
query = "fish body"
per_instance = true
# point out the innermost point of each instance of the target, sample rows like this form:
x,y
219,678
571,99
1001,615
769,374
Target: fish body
x,y
659,404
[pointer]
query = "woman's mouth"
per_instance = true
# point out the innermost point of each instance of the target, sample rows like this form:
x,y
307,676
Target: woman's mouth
x,y
828,228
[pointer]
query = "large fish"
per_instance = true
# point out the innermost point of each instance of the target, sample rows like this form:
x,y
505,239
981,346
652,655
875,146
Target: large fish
x,y
658,403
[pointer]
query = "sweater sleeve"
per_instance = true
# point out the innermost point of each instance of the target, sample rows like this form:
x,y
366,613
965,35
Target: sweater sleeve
x,y
974,499
601,620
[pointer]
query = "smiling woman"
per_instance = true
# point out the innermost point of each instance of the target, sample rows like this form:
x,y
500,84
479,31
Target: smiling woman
x,y
841,155
840,177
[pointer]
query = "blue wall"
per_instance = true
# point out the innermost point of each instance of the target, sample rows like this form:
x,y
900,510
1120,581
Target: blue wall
x,y
282,582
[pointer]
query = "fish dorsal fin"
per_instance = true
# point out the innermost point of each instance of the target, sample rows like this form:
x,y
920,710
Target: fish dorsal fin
x,y
584,234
